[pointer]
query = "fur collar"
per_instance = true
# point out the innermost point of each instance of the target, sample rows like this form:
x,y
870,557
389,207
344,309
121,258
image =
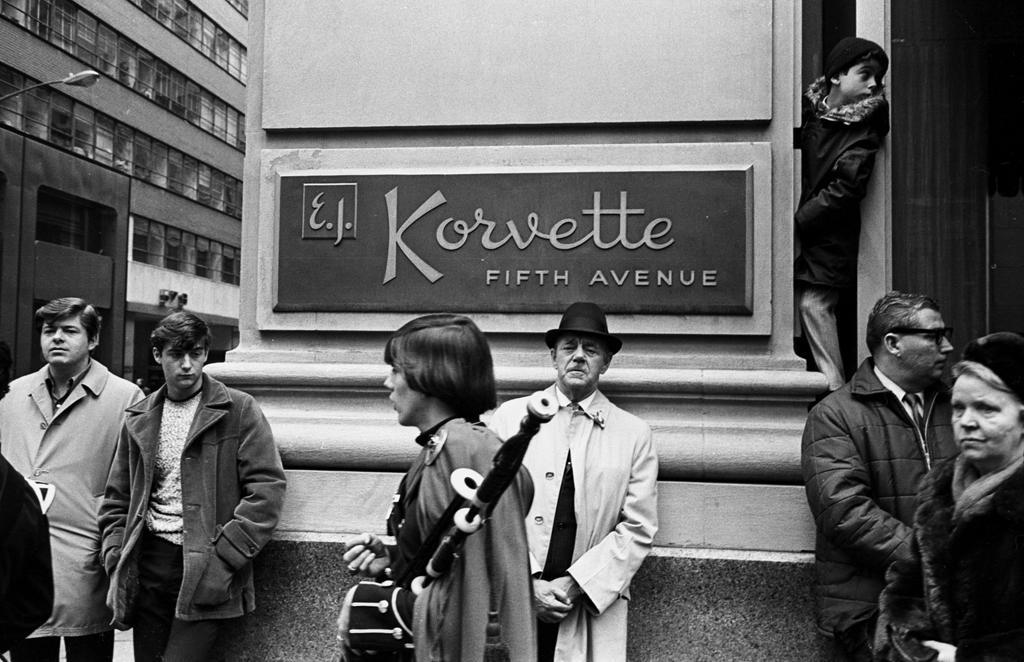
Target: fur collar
x,y
850,113
937,503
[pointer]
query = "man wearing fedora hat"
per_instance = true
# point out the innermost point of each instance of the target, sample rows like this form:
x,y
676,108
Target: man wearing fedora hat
x,y
594,512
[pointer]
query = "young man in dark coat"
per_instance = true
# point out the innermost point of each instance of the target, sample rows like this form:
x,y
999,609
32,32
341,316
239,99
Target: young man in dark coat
x,y
866,449
845,119
194,493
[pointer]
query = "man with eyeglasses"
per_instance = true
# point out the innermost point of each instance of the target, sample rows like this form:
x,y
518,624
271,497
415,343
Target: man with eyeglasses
x,y
865,449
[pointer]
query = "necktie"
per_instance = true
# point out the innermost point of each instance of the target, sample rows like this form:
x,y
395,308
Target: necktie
x,y
914,403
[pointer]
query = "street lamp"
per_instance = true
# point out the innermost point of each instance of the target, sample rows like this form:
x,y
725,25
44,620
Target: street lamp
x,y
81,79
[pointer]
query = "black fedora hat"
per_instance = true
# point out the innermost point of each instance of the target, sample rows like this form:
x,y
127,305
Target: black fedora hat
x,y
586,318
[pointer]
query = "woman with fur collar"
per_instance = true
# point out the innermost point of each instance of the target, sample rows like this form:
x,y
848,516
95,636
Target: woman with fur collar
x,y
961,596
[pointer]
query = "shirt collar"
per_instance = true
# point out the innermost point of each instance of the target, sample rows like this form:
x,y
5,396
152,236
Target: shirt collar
x,y
893,386
423,437
72,383
564,401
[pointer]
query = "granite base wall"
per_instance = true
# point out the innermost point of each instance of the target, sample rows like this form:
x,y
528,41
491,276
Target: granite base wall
x,y
684,608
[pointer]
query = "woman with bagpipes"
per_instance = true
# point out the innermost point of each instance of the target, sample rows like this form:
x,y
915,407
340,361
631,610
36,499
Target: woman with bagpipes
x,y
476,603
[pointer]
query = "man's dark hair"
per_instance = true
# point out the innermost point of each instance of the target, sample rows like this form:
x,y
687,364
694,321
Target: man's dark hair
x,y
71,307
894,310
181,330
446,356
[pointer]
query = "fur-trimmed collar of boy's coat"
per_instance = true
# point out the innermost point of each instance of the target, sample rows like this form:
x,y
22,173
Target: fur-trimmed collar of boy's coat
x,y
850,113
966,585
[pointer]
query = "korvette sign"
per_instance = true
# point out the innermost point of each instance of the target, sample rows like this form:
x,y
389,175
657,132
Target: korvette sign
x,y
637,241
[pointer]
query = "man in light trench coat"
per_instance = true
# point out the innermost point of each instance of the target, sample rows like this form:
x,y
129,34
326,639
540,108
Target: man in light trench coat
x,y
59,427
594,512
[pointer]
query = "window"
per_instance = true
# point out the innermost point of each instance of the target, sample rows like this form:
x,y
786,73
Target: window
x,y
220,48
173,248
15,11
81,34
229,265
60,120
10,109
156,244
147,73
140,239
233,196
141,152
203,189
104,139
85,122
193,102
85,39
231,132
50,115
206,112
209,35
36,104
180,21
235,56
175,171
68,221
203,257
127,62
62,31
163,84
123,152
158,164
217,192
177,94
106,50
220,119
190,170
188,252
38,17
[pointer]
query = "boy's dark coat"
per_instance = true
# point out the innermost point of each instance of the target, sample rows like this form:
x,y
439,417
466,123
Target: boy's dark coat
x,y
838,154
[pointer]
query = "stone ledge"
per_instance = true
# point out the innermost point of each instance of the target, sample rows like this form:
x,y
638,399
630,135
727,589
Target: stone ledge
x,y
686,606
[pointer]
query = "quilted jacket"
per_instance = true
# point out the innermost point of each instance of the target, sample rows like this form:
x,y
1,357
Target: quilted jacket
x,y
863,462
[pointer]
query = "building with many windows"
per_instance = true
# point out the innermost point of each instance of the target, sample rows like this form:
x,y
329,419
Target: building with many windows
x,y
126,193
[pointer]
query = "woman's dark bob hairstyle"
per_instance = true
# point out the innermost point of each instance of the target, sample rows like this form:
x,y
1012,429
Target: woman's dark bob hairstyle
x,y
446,356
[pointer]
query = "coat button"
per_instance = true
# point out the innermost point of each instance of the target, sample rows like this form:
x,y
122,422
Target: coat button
x,y
549,475
538,519
42,426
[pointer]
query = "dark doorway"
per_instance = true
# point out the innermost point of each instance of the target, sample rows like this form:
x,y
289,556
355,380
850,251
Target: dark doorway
x,y
957,147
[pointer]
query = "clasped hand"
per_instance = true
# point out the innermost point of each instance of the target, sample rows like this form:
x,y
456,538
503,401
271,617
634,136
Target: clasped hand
x,y
554,599
366,555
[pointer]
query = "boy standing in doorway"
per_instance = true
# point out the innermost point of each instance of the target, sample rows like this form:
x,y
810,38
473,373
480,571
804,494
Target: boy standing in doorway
x,y
845,120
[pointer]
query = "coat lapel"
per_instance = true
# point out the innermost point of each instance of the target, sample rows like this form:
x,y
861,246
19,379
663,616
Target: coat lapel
x,y
143,425
213,406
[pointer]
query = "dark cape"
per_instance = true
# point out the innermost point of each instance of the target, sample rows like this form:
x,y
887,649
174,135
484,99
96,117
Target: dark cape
x,y
451,615
26,576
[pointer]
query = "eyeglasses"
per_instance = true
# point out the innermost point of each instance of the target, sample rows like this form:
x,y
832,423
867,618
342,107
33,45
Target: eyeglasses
x,y
936,335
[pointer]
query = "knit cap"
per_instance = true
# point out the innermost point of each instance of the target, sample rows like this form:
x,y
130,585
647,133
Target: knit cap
x,y
850,50
1003,354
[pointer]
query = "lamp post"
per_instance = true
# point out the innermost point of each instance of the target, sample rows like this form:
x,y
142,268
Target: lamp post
x,y
81,79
